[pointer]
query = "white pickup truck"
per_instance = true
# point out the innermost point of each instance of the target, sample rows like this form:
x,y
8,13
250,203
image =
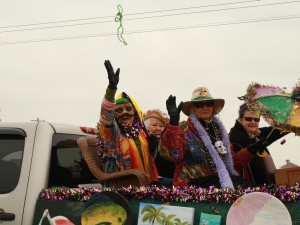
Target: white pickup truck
x,y
36,155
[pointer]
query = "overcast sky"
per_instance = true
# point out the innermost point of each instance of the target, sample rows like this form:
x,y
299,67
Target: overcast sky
x,y
52,55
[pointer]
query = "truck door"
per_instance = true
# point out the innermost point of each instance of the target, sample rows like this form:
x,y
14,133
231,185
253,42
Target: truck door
x,y
16,146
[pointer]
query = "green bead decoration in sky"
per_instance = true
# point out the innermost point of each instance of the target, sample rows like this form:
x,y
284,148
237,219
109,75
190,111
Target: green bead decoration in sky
x,y
119,18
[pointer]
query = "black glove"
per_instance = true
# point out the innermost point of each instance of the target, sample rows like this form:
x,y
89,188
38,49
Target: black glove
x,y
173,111
153,142
112,76
258,147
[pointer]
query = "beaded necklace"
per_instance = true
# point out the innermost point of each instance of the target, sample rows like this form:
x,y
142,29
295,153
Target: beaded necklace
x,y
222,169
212,129
131,131
214,133
99,142
217,139
210,162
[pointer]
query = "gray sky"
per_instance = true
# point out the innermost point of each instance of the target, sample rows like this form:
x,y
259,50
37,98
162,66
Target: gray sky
x,y
221,45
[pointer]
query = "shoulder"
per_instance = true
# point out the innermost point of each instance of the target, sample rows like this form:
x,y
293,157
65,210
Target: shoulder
x,y
237,130
183,125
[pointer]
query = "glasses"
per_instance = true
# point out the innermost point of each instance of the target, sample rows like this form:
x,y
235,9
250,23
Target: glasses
x,y
249,119
202,104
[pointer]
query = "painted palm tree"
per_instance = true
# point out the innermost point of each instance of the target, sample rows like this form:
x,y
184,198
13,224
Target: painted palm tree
x,y
55,220
167,220
152,214
177,221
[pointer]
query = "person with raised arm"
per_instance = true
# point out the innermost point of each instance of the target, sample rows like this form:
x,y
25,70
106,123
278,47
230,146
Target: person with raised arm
x,y
200,146
124,139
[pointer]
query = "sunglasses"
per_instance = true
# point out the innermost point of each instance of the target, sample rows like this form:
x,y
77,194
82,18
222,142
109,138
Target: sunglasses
x,y
202,104
249,119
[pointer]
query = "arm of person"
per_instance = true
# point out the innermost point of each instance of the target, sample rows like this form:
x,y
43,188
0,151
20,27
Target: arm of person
x,y
239,141
106,126
107,109
276,134
172,146
241,159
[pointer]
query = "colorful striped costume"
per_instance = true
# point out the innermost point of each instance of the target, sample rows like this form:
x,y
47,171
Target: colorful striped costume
x,y
121,153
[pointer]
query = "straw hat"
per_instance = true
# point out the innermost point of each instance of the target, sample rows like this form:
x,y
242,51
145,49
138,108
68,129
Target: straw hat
x,y
202,94
156,113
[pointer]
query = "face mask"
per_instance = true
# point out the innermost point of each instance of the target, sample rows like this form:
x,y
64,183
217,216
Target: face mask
x,y
123,108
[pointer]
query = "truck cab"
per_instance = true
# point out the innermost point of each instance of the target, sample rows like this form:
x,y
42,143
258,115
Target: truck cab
x,y
36,155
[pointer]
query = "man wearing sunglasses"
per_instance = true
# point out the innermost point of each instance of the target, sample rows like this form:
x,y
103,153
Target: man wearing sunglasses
x,y
246,132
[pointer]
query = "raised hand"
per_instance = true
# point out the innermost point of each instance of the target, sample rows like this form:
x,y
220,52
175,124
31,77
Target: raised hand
x,y
173,111
113,77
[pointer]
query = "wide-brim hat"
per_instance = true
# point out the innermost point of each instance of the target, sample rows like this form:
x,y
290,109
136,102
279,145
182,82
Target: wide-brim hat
x,y
202,94
156,113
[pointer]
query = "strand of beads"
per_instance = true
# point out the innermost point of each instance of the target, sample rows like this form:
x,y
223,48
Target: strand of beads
x,y
133,130
217,133
210,161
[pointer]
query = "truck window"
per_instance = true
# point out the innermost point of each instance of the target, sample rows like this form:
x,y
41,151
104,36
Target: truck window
x,y
67,166
11,154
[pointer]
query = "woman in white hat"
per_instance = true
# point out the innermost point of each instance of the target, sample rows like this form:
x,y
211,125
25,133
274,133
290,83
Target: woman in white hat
x,y
200,146
155,122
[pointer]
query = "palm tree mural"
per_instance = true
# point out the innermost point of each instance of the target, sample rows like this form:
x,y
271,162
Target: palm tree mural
x,y
152,214
158,214
177,221
167,220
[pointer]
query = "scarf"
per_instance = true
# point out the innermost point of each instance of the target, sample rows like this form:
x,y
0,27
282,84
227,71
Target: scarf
x,y
223,169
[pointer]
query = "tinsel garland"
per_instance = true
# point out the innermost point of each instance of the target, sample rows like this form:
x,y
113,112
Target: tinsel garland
x,y
180,194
